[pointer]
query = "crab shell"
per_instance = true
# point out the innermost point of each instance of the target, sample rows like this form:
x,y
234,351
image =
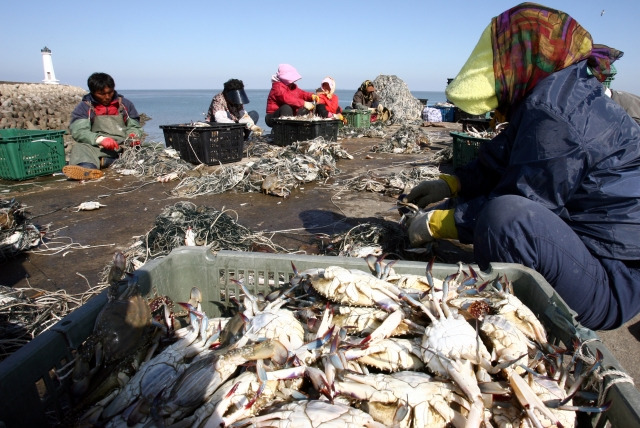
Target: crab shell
x,y
279,324
364,320
312,414
353,287
394,354
508,342
430,402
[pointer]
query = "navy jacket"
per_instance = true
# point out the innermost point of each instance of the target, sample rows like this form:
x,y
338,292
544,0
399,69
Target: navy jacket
x,y
575,151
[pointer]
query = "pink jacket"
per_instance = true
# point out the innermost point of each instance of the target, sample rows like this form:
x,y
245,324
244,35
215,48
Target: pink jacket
x,y
281,94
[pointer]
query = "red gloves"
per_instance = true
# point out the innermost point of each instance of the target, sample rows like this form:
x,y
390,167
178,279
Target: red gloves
x,y
109,143
133,140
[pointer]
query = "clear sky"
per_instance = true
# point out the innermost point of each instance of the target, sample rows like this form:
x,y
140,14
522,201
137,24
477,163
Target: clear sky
x,y
184,44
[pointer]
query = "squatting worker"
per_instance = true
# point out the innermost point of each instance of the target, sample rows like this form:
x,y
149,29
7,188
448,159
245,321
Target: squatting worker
x,y
100,123
285,97
366,98
559,189
228,107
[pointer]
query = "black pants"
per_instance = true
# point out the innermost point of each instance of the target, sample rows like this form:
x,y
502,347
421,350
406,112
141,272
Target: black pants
x,y
512,229
284,111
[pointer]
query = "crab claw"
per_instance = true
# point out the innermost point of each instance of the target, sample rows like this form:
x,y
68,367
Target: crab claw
x,y
192,309
528,399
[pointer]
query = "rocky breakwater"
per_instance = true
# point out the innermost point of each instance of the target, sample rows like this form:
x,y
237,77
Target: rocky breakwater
x,y
40,106
37,105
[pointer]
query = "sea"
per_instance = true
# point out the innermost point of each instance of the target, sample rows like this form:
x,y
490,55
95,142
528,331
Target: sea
x,y
184,106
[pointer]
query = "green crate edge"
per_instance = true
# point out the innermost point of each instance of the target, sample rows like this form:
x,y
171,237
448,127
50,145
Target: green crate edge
x,y
12,163
175,274
355,117
463,151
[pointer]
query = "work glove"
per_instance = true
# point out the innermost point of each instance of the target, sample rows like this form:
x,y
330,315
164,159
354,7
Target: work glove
x,y
257,131
380,108
339,116
309,106
108,143
315,98
430,191
426,226
133,140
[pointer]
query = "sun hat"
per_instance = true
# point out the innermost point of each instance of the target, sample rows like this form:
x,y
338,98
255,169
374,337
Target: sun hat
x,y
474,88
287,74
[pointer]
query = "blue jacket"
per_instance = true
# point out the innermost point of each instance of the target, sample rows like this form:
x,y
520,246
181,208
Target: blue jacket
x,y
575,151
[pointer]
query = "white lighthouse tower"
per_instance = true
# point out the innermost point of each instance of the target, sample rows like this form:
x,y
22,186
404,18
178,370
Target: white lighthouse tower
x,y
47,63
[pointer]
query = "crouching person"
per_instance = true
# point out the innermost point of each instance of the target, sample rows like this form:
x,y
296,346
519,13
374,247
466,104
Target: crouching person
x,y
100,124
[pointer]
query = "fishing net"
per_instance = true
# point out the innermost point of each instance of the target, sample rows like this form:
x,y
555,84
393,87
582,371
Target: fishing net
x,y
186,223
28,312
392,184
150,160
17,233
407,139
276,172
367,239
396,96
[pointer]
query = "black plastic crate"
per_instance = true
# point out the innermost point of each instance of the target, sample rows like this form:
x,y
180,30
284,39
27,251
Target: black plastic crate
x,y
287,131
212,144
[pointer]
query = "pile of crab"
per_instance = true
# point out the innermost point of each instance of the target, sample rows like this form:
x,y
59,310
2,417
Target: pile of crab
x,y
339,347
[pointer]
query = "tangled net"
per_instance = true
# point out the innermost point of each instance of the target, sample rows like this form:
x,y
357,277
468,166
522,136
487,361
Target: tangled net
x,y
276,172
407,139
396,96
393,184
17,233
366,239
150,160
28,312
188,224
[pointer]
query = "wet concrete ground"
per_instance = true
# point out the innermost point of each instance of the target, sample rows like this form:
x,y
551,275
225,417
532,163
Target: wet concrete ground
x,y
133,205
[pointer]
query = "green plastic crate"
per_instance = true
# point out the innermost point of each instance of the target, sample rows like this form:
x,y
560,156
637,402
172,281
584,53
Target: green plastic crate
x,y
358,118
465,148
27,154
29,395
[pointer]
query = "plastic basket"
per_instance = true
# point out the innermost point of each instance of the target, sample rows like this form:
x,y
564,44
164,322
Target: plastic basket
x,y
358,118
28,392
287,131
216,143
448,113
465,148
26,154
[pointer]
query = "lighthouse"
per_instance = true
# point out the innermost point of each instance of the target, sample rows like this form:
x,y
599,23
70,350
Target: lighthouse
x,y
47,63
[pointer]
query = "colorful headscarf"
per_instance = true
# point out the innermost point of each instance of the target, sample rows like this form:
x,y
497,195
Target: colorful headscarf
x,y
531,41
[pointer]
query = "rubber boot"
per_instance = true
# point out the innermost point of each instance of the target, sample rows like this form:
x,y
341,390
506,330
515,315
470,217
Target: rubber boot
x,y
82,171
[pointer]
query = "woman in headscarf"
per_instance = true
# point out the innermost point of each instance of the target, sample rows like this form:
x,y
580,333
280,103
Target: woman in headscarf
x,y
285,97
559,189
366,96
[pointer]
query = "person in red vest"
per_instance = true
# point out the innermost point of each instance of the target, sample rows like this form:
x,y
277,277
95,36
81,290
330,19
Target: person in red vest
x,y
100,124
